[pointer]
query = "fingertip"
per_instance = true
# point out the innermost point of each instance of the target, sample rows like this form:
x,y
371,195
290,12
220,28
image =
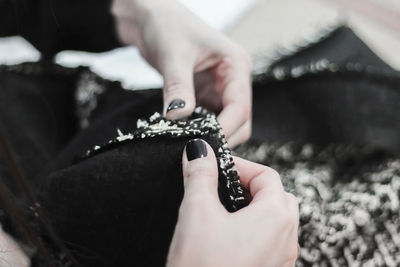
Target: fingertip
x,y
176,103
178,108
247,169
196,149
199,166
258,178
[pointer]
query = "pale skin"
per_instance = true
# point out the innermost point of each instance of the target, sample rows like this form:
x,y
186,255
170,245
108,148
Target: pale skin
x,y
261,234
10,252
200,65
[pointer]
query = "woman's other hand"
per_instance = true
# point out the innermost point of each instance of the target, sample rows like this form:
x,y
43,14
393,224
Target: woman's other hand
x,y
196,62
261,234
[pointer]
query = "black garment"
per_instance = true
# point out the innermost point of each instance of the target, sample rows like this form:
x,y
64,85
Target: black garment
x,y
127,190
56,25
105,207
333,91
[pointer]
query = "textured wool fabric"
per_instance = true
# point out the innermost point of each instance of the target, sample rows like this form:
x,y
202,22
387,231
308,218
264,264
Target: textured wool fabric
x,y
119,203
349,200
124,200
325,116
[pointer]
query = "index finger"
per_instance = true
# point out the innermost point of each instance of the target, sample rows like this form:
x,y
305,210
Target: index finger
x,y
261,180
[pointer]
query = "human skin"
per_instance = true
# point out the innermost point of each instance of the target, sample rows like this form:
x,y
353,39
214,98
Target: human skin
x,y
262,234
10,252
198,64
206,235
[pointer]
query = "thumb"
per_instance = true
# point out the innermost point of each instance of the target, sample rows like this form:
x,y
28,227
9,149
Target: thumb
x,y
179,95
200,172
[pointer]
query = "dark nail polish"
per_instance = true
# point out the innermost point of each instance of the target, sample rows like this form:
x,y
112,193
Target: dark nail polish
x,y
176,103
195,149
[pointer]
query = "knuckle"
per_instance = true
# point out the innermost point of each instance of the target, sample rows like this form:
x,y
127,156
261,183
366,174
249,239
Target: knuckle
x,y
247,111
234,54
242,55
271,173
277,208
293,201
200,172
290,219
246,134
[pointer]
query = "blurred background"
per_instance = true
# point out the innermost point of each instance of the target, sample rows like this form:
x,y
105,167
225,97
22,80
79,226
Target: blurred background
x,y
260,26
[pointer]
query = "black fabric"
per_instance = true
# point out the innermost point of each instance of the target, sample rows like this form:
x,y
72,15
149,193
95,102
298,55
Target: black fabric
x,y
118,207
351,101
36,115
56,25
341,47
130,193
115,205
342,107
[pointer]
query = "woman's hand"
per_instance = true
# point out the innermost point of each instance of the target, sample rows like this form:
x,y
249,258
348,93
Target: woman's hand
x,y
196,62
261,234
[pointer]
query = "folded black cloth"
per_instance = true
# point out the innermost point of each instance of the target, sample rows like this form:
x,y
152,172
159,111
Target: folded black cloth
x,y
115,187
129,190
107,172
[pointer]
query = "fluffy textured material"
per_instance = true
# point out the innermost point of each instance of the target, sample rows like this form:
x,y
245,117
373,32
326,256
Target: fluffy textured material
x,y
330,126
349,201
118,205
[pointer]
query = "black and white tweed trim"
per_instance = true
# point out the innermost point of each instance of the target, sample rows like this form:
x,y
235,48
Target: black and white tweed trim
x,y
201,123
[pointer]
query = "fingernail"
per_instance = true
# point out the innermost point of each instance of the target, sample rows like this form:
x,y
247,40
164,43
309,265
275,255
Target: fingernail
x,y
195,149
176,103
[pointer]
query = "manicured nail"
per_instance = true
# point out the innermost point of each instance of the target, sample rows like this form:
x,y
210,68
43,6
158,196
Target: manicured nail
x,y
196,149
176,103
